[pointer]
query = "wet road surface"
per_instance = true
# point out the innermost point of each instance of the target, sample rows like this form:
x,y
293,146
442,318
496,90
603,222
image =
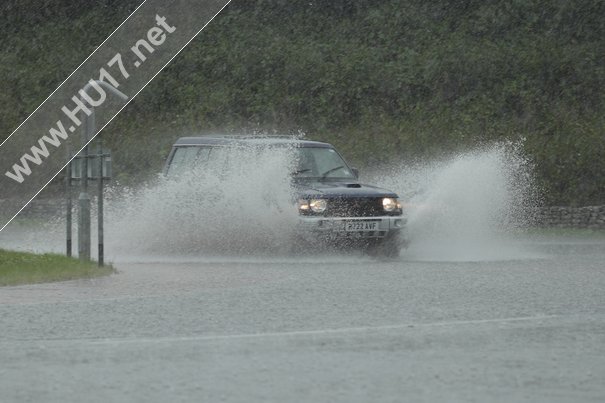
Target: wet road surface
x,y
332,328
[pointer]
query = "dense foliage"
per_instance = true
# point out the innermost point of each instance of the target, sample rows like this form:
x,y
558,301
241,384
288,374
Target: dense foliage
x,y
399,80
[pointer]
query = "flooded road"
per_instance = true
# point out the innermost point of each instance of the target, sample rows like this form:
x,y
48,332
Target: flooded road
x,y
321,328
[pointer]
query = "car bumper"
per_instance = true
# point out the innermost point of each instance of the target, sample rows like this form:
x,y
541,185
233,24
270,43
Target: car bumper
x,y
336,227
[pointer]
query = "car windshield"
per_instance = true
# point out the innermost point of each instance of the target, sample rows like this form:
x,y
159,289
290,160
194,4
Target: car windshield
x,y
315,162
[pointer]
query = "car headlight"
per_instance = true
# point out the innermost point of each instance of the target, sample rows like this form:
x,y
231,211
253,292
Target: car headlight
x,y
390,204
303,205
313,205
318,205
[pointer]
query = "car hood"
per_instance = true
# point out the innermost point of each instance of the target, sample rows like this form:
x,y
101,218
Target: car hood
x,y
334,189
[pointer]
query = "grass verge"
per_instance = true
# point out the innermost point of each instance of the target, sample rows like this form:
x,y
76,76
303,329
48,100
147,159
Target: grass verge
x,y
27,268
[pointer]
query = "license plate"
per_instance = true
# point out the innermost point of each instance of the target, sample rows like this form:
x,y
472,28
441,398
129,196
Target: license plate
x,y
361,226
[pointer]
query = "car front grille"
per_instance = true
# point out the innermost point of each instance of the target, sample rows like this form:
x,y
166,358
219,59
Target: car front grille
x,y
358,207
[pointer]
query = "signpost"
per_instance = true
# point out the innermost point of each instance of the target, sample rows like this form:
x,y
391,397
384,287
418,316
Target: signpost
x,y
85,173
98,168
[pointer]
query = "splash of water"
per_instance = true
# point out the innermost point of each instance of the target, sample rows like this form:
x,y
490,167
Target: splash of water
x,y
465,208
246,209
460,209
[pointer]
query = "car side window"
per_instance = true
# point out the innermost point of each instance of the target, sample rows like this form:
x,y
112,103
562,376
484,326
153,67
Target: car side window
x,y
186,159
218,160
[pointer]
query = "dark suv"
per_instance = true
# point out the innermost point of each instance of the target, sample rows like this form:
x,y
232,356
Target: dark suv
x,y
334,207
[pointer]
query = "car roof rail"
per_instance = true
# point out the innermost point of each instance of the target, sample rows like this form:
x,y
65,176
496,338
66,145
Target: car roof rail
x,y
251,136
